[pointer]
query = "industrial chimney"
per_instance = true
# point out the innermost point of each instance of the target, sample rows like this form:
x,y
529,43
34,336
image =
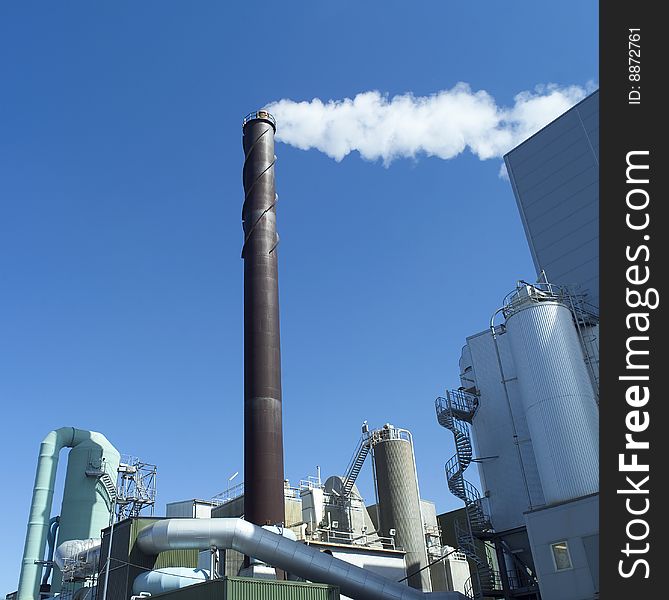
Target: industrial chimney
x,y
263,433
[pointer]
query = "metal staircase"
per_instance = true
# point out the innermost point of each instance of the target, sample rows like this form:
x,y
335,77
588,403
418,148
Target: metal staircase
x,y
97,469
136,487
355,466
110,486
454,412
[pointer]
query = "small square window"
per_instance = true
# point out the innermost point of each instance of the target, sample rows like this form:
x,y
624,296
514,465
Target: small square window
x,y
561,558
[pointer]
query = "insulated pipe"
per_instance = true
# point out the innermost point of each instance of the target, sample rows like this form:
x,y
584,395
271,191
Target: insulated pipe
x,y
168,579
42,499
263,436
292,556
85,552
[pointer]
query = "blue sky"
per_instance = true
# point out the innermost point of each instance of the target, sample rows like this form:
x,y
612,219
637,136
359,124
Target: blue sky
x,y
120,232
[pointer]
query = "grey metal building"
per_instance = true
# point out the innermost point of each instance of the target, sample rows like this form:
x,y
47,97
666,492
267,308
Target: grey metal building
x,y
555,178
527,409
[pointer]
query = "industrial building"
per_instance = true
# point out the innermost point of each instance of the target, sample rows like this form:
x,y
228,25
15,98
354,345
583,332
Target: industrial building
x,y
262,539
527,408
555,179
525,412
331,545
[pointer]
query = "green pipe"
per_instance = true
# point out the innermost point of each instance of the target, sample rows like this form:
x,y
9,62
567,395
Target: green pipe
x,y
85,509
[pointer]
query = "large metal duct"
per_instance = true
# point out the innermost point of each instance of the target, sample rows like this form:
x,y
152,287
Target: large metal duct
x,y
399,499
557,393
83,555
86,506
263,437
168,579
292,556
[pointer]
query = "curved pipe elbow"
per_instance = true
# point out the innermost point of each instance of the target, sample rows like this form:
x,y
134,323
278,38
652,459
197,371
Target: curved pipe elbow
x,y
40,507
273,549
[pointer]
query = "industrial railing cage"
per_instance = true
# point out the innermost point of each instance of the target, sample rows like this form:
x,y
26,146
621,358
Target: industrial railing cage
x,y
335,536
229,494
545,291
584,315
459,403
259,115
475,589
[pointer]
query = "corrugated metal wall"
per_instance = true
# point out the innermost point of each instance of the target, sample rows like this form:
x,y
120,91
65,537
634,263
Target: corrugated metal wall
x,y
559,399
127,561
239,588
294,515
555,178
180,509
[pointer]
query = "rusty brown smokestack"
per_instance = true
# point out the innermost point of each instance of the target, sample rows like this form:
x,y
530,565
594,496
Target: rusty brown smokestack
x,y
263,431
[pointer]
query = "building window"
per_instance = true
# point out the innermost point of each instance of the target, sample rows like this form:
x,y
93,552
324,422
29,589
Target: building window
x,y
561,558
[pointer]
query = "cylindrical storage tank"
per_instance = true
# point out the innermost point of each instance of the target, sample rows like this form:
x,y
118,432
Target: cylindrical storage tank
x,y
510,483
557,393
399,500
87,505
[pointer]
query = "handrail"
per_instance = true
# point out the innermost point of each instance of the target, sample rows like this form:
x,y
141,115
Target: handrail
x,y
454,412
261,115
280,552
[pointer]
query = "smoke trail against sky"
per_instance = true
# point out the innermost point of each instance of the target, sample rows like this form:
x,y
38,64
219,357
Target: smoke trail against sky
x,y
442,124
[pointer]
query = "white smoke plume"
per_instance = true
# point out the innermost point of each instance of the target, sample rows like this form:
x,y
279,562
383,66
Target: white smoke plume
x,y
443,124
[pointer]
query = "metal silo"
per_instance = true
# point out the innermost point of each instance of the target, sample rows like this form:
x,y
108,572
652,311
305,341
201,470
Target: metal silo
x,y
510,481
399,500
557,392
